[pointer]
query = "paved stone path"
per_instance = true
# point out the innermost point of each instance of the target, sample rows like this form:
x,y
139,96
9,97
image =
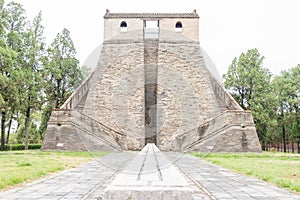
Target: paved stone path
x,y
84,182
220,183
89,181
149,176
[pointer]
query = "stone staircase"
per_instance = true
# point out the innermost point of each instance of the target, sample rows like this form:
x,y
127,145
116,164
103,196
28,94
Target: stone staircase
x,y
224,99
232,129
78,97
93,127
81,132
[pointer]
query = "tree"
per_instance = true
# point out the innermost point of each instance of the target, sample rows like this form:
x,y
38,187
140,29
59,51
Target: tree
x,y
9,72
296,84
85,71
7,78
33,136
32,63
26,66
249,83
287,91
15,23
62,72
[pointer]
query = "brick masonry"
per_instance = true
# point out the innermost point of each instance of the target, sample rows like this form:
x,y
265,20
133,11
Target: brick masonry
x,y
164,81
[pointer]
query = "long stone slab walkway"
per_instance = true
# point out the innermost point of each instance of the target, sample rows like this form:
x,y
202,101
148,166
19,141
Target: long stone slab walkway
x,y
220,183
89,181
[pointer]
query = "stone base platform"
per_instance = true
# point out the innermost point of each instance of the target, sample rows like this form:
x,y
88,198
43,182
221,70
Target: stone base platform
x,y
149,176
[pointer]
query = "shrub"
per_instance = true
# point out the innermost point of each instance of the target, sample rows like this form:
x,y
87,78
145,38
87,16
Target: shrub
x,y
12,147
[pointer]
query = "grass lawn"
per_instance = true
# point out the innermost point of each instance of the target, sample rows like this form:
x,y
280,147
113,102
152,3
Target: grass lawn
x,y
17,167
280,169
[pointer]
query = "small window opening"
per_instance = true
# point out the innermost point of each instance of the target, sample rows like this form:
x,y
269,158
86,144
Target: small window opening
x,y
178,27
123,26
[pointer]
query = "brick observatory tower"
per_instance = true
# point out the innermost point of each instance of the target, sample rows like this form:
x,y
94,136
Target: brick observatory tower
x,y
151,85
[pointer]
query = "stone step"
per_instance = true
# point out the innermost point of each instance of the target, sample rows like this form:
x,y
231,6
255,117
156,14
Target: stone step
x,y
149,176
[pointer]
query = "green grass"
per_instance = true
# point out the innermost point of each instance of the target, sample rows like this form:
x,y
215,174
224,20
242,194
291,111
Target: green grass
x,y
280,169
17,167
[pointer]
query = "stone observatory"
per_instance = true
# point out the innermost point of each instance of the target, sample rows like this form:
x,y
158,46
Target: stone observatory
x,y
151,85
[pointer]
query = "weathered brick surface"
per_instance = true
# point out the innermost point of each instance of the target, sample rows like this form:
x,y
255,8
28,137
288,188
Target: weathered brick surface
x,y
230,131
73,130
185,95
157,91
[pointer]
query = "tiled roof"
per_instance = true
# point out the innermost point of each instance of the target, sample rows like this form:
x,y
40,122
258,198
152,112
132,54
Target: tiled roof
x,y
150,15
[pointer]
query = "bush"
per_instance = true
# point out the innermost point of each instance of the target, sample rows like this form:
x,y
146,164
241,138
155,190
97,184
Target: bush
x,y
34,146
12,147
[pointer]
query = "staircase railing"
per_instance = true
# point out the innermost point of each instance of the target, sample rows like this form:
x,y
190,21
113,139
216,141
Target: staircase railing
x,y
78,94
225,120
89,125
223,94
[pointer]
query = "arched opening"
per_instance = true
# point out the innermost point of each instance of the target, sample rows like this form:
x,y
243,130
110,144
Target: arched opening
x,y
123,26
178,27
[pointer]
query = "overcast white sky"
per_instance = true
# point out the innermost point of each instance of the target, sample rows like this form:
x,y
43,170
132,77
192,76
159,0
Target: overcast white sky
x,y
227,28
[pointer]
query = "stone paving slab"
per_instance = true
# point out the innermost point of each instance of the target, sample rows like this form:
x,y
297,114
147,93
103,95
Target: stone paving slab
x,y
220,183
89,181
77,183
149,176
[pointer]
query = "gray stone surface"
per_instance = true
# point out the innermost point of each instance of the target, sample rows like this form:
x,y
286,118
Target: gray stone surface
x,y
150,176
74,130
220,183
84,182
207,181
158,91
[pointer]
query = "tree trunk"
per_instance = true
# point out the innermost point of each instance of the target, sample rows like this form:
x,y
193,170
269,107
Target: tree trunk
x,y
3,113
57,94
27,120
283,138
9,127
287,144
298,146
293,150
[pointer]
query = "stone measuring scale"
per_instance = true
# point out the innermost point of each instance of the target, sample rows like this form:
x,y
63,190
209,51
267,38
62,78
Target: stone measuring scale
x,y
152,84
150,175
